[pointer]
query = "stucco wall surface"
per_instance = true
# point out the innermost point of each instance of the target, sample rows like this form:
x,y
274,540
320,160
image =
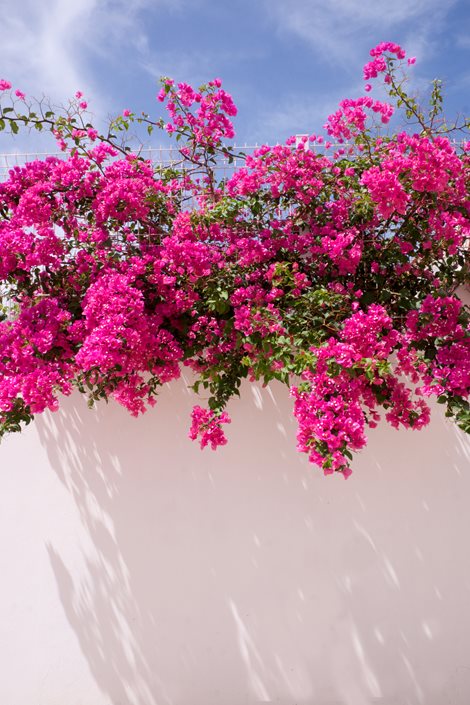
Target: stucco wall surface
x,y
137,570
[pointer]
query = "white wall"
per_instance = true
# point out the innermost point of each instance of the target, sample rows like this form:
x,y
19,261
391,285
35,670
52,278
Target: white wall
x,y
136,569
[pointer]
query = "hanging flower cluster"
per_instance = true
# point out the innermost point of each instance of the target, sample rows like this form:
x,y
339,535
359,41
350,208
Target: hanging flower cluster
x,y
335,269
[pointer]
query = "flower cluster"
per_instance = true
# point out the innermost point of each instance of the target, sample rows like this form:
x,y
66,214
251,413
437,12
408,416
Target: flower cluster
x,y
204,112
334,272
207,425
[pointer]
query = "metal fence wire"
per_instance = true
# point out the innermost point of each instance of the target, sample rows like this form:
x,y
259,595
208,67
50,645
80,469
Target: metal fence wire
x,y
170,156
164,156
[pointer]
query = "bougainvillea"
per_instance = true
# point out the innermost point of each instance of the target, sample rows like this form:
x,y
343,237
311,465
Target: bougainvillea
x,y
334,268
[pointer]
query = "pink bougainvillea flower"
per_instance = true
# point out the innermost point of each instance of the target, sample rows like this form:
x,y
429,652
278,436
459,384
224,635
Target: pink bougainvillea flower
x,y
331,266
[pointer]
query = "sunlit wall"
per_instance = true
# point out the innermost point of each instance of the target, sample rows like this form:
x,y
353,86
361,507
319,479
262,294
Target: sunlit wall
x,y
137,570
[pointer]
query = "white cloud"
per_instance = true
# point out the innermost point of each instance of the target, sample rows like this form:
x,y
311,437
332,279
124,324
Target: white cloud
x,y
49,45
339,29
463,41
340,33
41,43
293,115
195,64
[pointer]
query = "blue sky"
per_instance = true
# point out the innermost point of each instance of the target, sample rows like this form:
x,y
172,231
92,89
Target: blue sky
x,y
286,62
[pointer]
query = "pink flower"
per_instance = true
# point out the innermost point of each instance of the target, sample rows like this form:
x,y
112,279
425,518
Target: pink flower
x,y
331,268
4,85
207,425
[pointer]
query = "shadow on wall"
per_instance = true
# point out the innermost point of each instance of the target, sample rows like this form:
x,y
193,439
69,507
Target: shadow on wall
x,y
244,575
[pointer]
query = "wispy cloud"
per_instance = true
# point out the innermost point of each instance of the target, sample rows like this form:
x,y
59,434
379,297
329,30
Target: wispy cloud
x,y
41,44
195,64
296,114
339,29
108,49
339,34
49,45
463,41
